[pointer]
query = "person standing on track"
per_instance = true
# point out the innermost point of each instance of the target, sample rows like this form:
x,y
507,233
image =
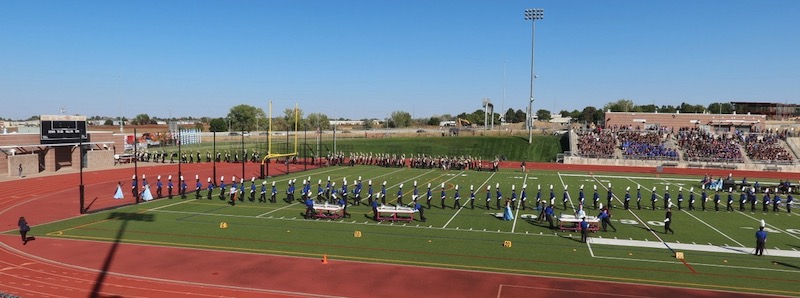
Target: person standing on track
x,y
24,228
668,221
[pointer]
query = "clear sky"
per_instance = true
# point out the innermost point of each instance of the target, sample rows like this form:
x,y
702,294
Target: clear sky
x,y
365,59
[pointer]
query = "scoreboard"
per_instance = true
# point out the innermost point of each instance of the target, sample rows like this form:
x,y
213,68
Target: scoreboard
x,y
62,129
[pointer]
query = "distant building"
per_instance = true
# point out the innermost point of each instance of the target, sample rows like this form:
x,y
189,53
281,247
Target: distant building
x,y
773,110
564,121
346,122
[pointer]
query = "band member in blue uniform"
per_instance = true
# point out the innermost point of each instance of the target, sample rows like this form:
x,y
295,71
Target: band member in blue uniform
x,y
263,197
776,202
273,197
627,201
789,201
581,196
343,193
159,186
429,195
134,187
369,193
680,197
443,196
472,197
222,188
667,197
524,195
198,186
565,197
400,195
653,199
691,198
538,196
488,197
253,189
234,190
383,193
170,186
183,188
415,193
499,195
638,197
320,191
730,199
456,199
610,197
716,201
328,190
595,197
210,188
742,200
703,199
765,201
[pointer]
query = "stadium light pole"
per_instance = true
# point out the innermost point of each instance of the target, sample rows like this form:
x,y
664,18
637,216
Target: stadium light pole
x,y
532,14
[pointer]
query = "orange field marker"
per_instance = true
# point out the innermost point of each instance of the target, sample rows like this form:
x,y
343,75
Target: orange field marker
x,y
325,259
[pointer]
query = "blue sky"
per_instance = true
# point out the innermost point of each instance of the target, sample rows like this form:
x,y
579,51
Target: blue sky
x,y
365,59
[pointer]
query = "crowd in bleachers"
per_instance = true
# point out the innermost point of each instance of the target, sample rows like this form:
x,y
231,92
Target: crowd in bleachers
x,y
647,144
765,147
698,145
596,143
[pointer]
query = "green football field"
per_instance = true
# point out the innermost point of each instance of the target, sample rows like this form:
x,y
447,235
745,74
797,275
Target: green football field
x,y
717,246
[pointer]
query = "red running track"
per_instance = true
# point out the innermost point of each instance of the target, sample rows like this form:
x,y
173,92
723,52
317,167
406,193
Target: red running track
x,y
51,267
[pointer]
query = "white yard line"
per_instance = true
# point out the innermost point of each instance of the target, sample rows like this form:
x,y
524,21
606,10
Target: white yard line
x,y
698,219
644,224
169,205
568,195
462,206
270,212
516,214
769,225
625,177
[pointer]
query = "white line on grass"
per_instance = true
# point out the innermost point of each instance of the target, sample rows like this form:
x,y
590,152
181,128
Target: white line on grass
x,y
270,212
634,214
516,214
698,219
462,206
568,195
169,205
768,225
386,174
625,177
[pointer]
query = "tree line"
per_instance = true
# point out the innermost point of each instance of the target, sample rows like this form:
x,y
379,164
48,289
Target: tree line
x,y
250,118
